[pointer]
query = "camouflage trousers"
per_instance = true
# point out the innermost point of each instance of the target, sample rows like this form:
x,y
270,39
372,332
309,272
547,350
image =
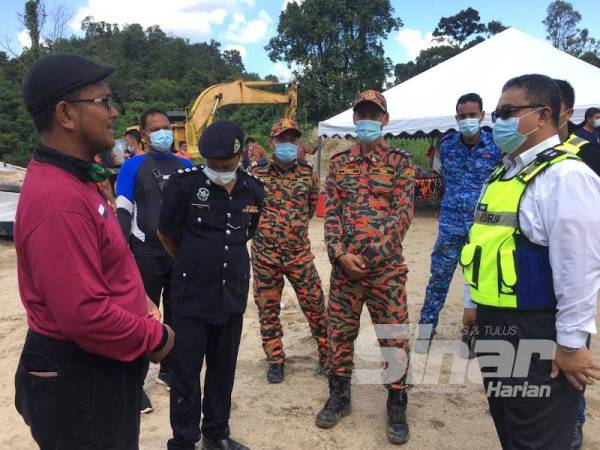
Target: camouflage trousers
x,y
384,293
444,260
268,270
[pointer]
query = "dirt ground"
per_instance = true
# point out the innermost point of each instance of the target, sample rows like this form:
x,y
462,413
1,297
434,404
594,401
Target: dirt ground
x,y
263,416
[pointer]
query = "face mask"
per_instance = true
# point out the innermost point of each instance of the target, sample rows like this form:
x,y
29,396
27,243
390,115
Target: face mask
x,y
220,178
596,123
469,127
286,152
130,149
506,136
161,140
368,130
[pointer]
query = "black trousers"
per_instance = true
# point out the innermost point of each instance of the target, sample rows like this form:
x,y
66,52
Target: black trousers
x,y
527,421
219,344
91,403
156,274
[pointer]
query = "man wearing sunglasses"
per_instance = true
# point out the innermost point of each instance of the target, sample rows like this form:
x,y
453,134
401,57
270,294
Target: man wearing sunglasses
x,y
532,261
468,157
91,325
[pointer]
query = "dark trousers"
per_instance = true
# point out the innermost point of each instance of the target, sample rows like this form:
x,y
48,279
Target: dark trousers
x,y
527,422
219,344
156,274
91,402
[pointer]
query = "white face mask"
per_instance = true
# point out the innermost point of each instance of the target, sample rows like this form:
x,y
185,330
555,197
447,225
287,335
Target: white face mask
x,y
220,178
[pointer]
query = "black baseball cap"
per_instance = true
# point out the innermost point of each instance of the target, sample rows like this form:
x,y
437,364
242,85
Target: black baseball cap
x,y
52,77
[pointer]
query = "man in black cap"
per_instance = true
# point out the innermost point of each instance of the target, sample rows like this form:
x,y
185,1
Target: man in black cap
x,y
91,325
207,216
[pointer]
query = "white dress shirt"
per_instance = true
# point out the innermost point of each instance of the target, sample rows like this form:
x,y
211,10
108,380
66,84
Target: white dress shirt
x,y
560,209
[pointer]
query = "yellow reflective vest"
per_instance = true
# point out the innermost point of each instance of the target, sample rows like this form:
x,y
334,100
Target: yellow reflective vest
x,y
574,144
504,268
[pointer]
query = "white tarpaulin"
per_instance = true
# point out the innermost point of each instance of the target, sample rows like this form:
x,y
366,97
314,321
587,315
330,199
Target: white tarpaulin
x,y
426,103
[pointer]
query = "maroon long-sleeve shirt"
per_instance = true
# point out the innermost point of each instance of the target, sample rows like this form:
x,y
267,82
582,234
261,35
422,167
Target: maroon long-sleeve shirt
x,y
77,277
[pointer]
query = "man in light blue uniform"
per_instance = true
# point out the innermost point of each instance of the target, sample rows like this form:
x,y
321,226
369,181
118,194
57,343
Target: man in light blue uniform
x,y
468,158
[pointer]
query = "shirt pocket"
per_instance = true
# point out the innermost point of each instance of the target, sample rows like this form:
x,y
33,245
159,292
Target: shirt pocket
x,y
347,182
200,216
381,182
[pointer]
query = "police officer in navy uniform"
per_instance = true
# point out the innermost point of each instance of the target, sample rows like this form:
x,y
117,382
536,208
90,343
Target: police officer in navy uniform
x,y
207,216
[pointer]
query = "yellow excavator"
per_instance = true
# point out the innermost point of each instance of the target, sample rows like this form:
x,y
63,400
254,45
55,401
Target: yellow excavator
x,y
239,92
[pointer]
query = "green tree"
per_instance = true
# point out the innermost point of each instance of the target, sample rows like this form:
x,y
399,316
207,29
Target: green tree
x,y
338,48
459,32
561,27
151,69
34,19
494,27
427,59
459,28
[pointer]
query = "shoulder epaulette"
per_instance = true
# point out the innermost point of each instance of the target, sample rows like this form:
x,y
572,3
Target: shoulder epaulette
x,y
343,152
401,152
251,176
260,163
449,135
549,154
305,163
260,166
188,170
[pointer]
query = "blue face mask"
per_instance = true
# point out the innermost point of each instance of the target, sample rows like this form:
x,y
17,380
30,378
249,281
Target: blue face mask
x,y
506,134
368,130
161,140
596,123
469,127
286,152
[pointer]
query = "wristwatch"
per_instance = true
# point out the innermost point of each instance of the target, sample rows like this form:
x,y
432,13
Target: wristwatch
x,y
566,349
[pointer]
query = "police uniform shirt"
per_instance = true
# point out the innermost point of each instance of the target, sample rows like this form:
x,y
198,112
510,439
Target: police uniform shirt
x,y
212,268
559,211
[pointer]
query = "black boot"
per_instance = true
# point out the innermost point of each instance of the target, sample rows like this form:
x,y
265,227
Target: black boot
x,y
338,403
397,432
222,444
275,373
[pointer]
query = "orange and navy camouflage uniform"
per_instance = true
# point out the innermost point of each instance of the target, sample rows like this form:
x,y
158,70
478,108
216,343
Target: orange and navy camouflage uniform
x,y
281,247
252,154
369,208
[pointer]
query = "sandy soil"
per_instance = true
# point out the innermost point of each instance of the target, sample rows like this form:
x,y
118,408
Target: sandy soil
x,y
441,416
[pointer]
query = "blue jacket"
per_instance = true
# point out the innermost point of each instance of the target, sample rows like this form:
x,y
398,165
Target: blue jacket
x,y
465,172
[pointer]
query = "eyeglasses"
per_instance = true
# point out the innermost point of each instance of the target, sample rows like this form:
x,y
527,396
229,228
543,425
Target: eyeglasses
x,y
507,111
106,100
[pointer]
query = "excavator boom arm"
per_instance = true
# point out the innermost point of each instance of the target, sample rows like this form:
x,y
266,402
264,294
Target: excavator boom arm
x,y
238,93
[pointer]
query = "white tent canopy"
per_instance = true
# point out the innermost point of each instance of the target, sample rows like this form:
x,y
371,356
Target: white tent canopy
x,y
426,102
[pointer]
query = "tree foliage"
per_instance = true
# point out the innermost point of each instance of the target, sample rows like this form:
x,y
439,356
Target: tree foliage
x,y
561,27
458,33
457,29
337,48
151,69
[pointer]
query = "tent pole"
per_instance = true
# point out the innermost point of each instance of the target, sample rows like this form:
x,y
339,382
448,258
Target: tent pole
x,y
320,144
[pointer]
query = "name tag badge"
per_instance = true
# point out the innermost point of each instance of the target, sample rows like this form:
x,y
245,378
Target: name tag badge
x,y
202,206
382,171
250,209
349,172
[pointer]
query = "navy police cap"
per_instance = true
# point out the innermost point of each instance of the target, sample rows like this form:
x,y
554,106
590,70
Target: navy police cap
x,y
52,77
221,140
